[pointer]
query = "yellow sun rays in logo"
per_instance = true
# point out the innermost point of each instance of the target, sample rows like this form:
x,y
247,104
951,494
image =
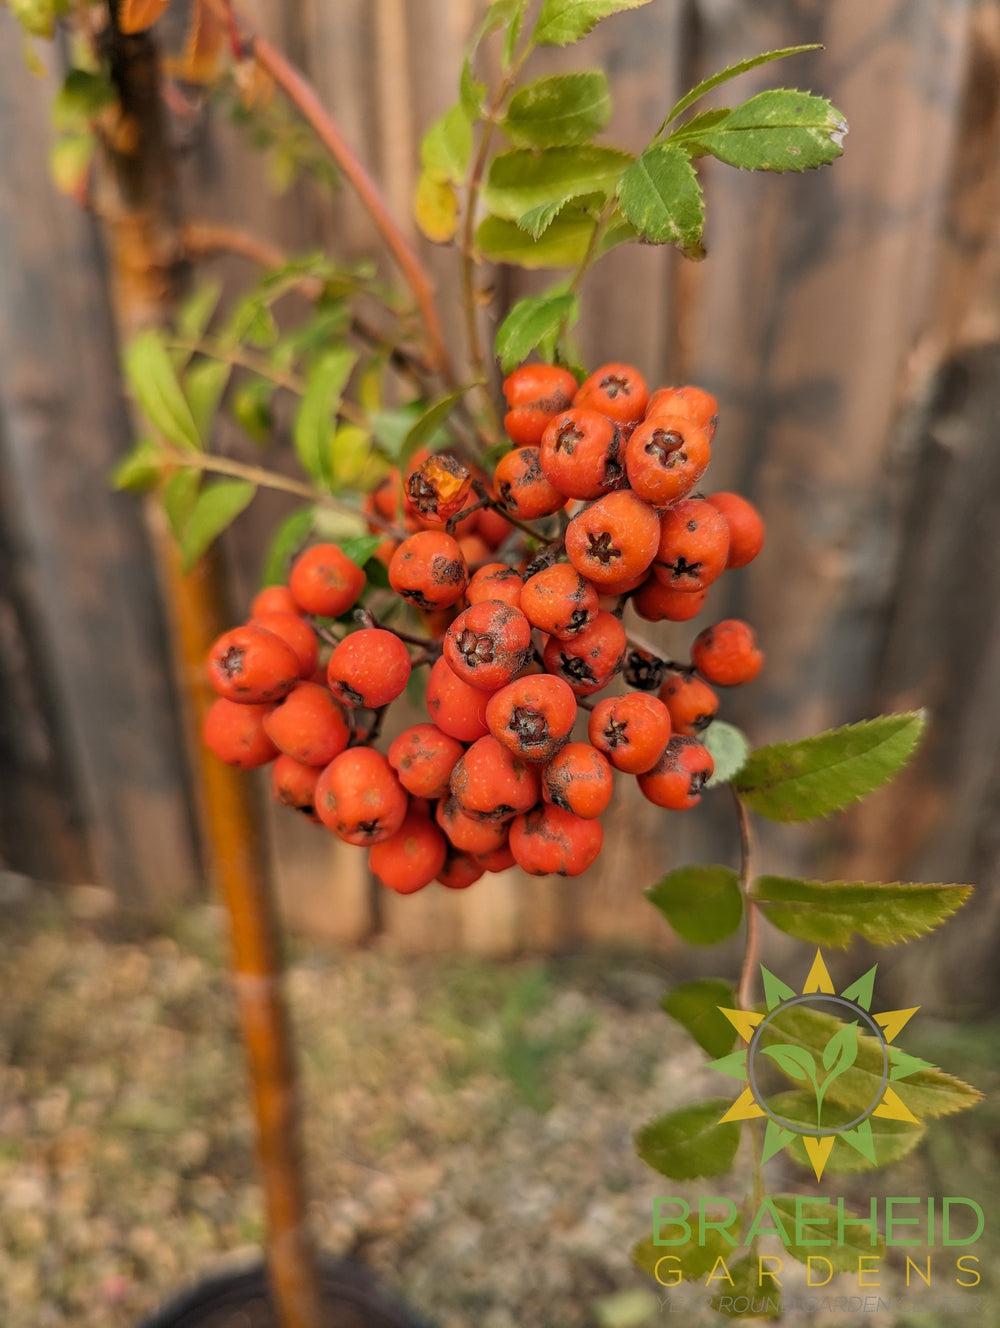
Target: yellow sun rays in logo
x,y
861,1046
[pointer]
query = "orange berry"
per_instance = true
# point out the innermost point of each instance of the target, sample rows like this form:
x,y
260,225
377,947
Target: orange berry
x,y
580,453
549,841
490,783
746,527
534,393
324,581
439,488
658,603
460,871
589,660
474,548
273,599
693,545
692,402
308,725
677,778
492,526
630,730
532,716
369,668
294,785
423,758
469,834
456,708
295,632
488,644
236,734
251,664
727,653
613,539
578,779
412,857
616,390
501,859
612,590
428,570
496,581
692,703
557,600
359,798
666,457
522,487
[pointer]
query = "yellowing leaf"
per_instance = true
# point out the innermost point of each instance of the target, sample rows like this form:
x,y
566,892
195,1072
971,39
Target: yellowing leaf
x,y
435,207
138,15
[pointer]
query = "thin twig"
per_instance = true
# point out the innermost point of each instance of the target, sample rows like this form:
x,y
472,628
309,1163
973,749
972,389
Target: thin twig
x,y
752,947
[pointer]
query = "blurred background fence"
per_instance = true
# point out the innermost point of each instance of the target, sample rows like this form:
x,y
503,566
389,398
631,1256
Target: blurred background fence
x,y
847,320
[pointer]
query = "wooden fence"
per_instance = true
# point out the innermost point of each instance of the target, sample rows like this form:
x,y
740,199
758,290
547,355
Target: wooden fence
x,y
846,319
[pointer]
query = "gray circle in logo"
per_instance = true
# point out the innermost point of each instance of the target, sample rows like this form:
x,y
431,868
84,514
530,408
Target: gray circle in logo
x,y
815,998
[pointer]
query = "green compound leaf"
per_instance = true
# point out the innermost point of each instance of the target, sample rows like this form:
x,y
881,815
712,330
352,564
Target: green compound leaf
x,y
729,748
529,322
287,541
891,1140
799,781
564,243
843,1257
833,913
151,376
661,197
695,1006
218,505
732,71
314,420
564,108
523,181
928,1093
447,146
690,1143
778,130
562,22
733,1297
702,904
359,548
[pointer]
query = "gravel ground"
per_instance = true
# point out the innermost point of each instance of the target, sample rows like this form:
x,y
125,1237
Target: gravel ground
x,y
468,1126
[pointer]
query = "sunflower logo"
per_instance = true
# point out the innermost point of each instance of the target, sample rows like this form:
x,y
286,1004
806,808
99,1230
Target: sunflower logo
x,y
822,1040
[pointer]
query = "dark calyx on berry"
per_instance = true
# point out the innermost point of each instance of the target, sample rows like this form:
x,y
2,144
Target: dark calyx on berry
x,y
664,445
476,649
531,727
231,662
601,547
644,671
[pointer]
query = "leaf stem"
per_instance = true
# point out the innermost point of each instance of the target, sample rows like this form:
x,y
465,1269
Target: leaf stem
x,y
752,947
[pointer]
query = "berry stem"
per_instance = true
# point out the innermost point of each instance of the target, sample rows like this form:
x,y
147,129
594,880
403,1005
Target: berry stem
x,y
638,643
367,619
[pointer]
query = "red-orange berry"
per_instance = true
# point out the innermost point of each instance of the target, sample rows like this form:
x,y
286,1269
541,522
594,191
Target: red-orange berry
x,y
492,526
612,590
693,545
369,668
490,783
578,779
630,730
273,599
613,539
588,661
439,488
581,453
423,758
496,581
666,457
460,871
533,716
295,632
469,834
428,570
294,785
412,857
501,859
616,390
251,664
727,654
691,702
324,581
456,708
557,600
679,775
659,603
522,487
359,798
534,393
693,402
746,527
474,548
236,734
386,499
549,841
308,725
488,644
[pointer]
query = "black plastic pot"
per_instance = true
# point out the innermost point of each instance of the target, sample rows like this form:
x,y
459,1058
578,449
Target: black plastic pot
x,y
240,1299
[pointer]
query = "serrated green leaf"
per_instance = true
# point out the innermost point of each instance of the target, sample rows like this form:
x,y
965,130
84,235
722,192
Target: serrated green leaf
x,y
688,132
694,1259
471,91
435,208
536,221
892,1140
833,913
524,180
428,423
561,22
661,197
690,1143
733,1297
729,749
314,420
251,408
217,506
732,71
530,320
564,243
287,541
695,1006
447,146
180,493
140,469
512,33
702,904
843,1255
360,548
778,130
799,781
154,384
204,383
252,321
195,312
563,108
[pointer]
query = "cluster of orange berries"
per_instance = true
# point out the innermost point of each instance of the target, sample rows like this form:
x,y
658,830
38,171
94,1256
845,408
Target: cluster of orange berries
x,y
519,638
